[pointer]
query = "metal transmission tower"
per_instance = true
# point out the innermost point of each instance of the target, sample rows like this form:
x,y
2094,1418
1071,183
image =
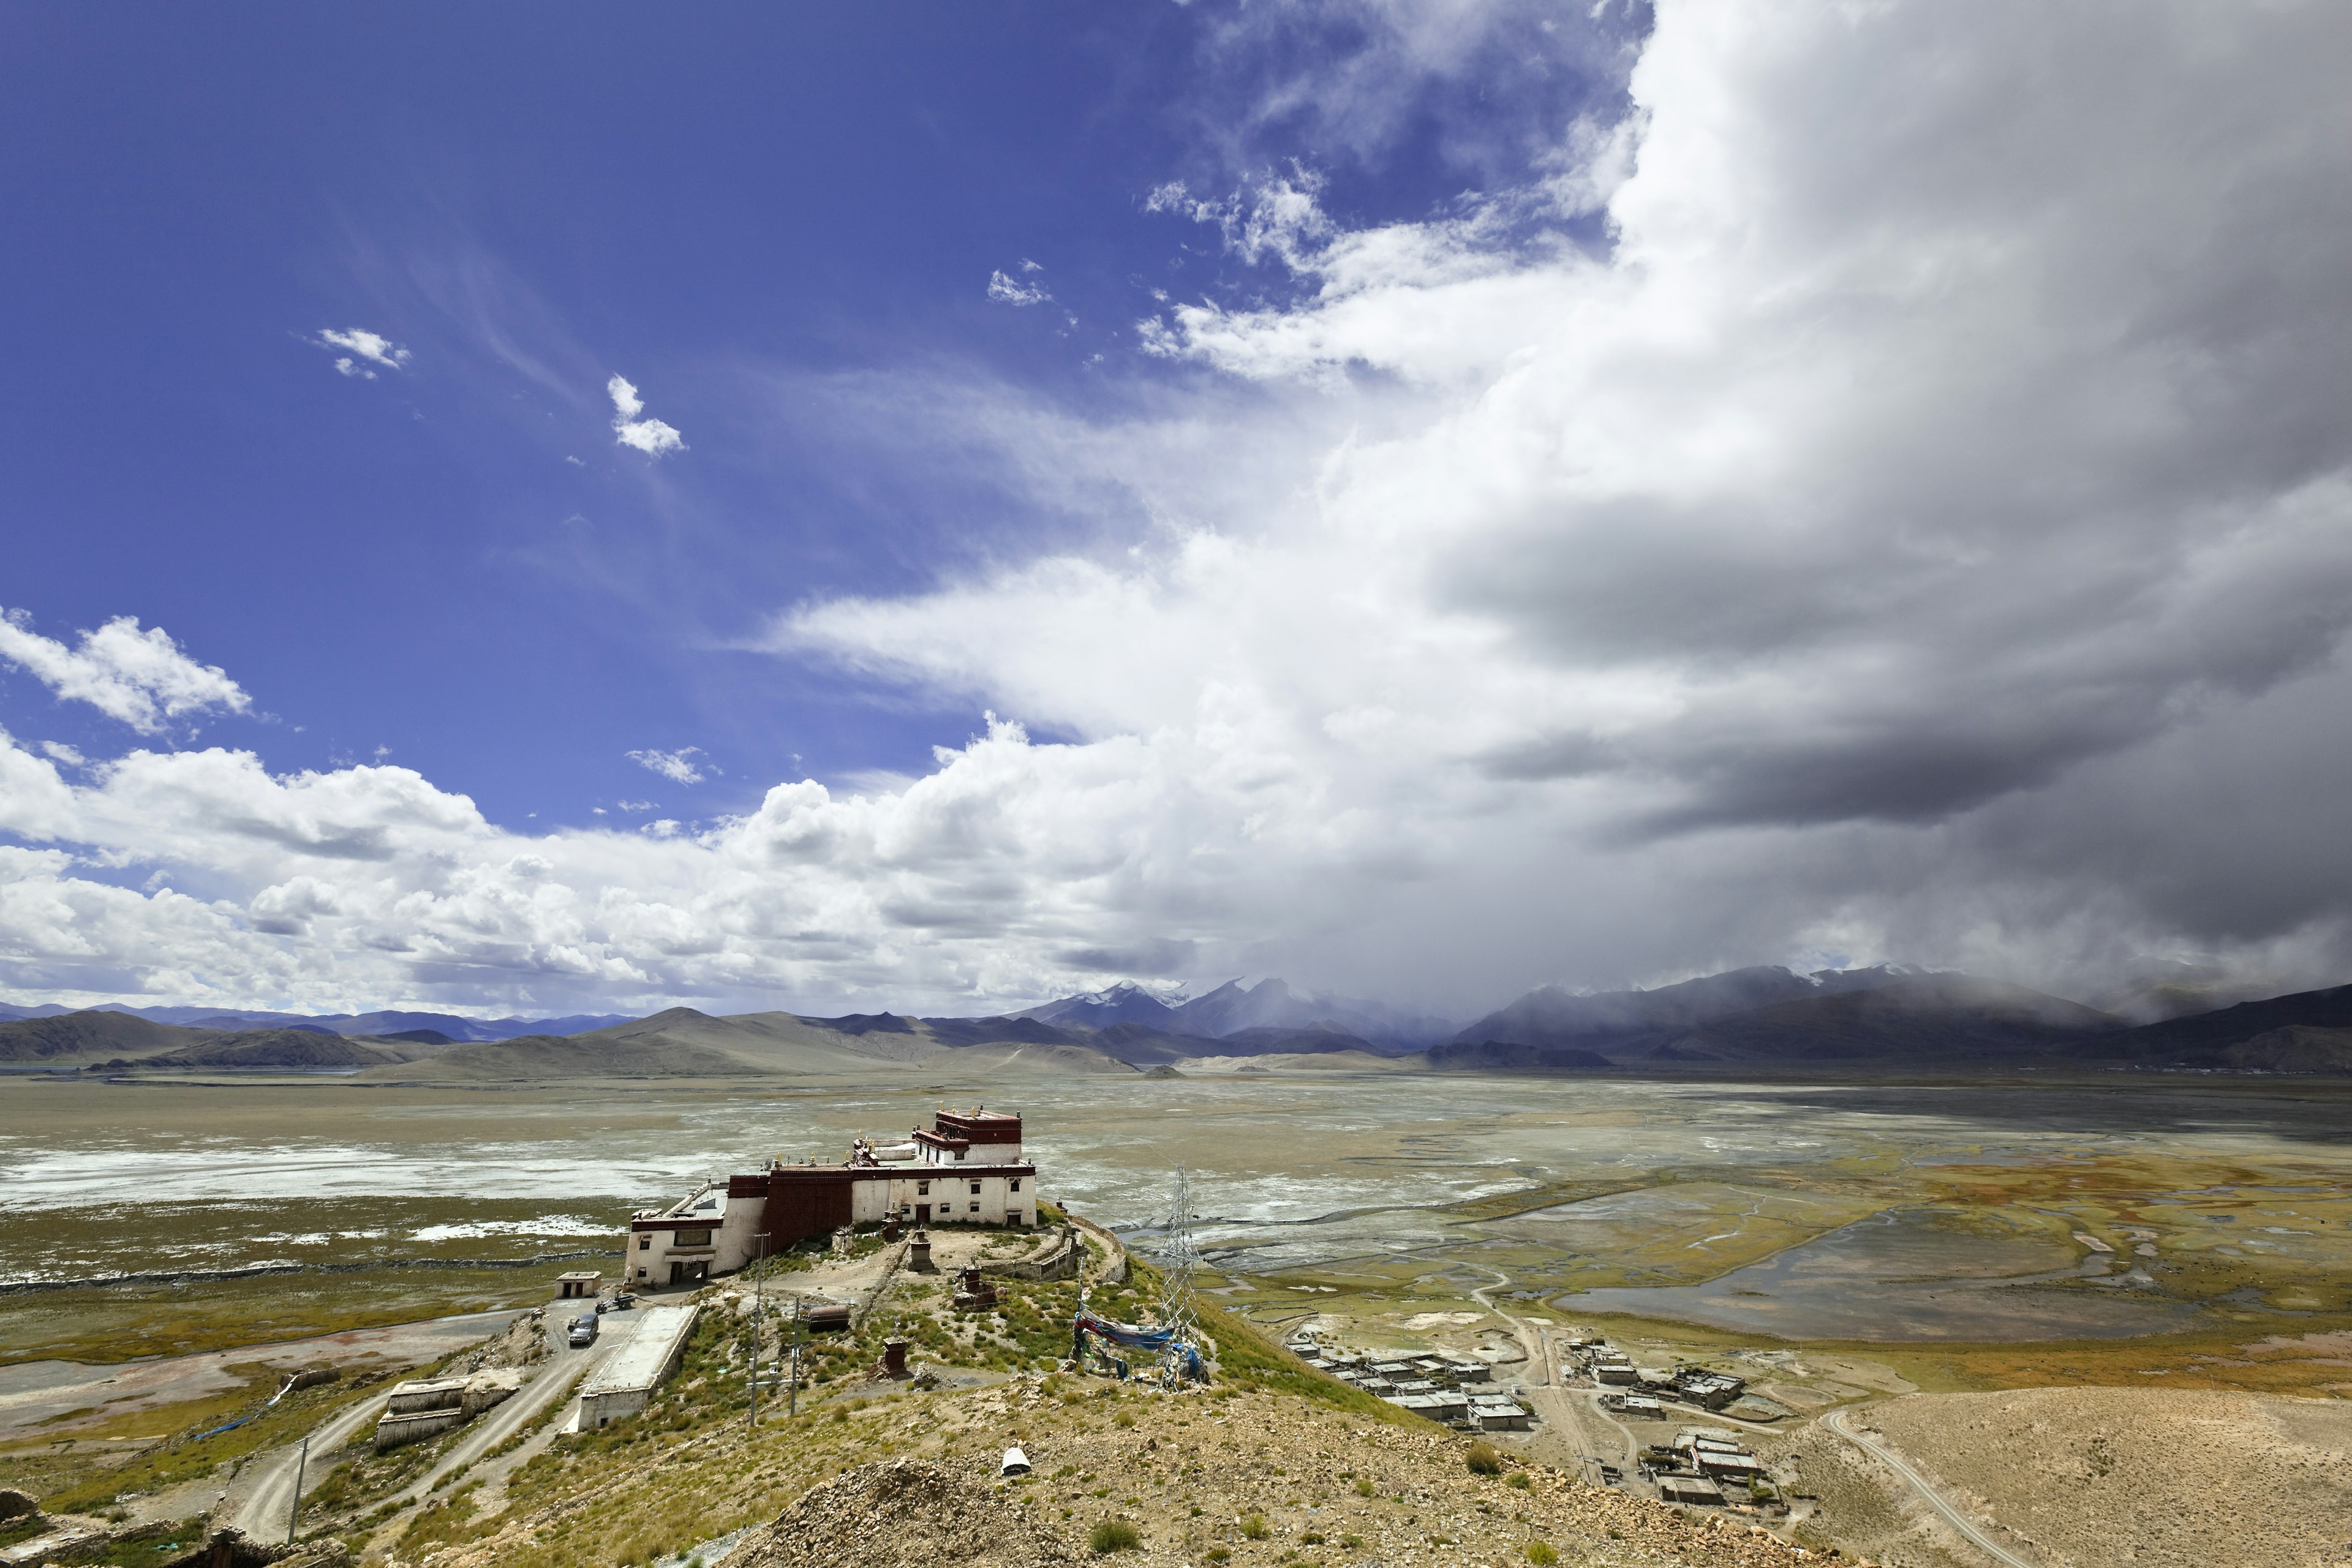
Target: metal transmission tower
x,y
1179,1360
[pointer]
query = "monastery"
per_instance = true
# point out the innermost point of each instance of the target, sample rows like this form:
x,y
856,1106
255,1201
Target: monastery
x,y
965,1168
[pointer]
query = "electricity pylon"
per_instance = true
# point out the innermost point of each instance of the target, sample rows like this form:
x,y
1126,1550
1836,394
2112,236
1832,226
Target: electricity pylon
x,y
1179,1311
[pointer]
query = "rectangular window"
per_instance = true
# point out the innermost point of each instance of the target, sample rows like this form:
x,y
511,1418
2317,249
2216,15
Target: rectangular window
x,y
645,1242
922,1189
975,1189
959,1153
694,1237
1016,1183
975,1208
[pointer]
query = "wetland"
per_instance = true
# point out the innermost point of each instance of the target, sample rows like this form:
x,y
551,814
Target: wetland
x,y
2135,1212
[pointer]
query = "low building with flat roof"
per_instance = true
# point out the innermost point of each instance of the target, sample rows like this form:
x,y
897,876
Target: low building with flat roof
x,y
625,1385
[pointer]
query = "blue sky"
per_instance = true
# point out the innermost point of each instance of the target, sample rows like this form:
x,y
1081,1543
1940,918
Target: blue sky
x,y
727,209
941,506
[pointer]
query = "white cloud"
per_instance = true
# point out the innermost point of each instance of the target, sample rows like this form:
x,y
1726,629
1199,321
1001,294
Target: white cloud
x,y
373,348
672,765
69,755
1920,529
651,437
1004,291
141,677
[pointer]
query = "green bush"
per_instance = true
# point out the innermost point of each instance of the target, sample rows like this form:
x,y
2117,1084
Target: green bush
x,y
1364,1486
1113,1535
1482,1459
1517,1479
1541,1554
1254,1527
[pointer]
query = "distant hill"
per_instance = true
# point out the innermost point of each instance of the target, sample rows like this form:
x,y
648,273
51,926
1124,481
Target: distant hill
x,y
295,1049
557,1058
681,1042
1510,1056
2295,1049
2204,1039
95,1035
1915,1018
1551,1017
364,1023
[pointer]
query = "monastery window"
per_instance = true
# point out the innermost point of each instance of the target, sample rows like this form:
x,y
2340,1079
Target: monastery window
x,y
645,1242
922,1189
694,1237
975,1189
959,1153
1016,1183
975,1208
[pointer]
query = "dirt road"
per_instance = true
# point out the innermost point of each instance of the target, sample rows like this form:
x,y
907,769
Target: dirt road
x,y
1837,1422
1572,1416
265,1490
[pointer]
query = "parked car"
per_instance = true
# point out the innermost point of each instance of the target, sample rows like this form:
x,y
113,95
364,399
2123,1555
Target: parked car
x,y
583,1331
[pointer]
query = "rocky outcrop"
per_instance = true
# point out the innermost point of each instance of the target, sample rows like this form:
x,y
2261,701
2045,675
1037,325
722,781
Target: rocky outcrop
x,y
904,1514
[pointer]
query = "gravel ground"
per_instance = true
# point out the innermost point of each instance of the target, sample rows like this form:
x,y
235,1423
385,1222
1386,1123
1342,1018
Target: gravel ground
x,y
2095,1478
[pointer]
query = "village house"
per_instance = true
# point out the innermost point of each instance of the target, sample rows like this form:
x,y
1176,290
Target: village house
x,y
966,1168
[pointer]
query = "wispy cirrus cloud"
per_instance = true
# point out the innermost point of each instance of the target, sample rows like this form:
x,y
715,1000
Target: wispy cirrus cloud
x,y
142,679
676,766
363,348
631,428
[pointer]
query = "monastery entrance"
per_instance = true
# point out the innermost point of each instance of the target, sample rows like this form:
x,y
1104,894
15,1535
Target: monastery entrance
x,y
693,1273
923,1213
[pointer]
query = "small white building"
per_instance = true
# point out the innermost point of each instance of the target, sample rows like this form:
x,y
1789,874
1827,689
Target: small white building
x,y
966,1168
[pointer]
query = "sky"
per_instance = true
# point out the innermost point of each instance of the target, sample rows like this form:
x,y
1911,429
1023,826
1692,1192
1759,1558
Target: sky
x,y
937,506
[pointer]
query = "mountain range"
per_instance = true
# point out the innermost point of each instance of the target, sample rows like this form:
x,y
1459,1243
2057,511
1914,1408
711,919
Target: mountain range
x,y
1890,1018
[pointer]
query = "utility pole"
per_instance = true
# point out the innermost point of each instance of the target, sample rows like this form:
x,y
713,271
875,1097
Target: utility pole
x,y
294,1509
792,1389
759,1302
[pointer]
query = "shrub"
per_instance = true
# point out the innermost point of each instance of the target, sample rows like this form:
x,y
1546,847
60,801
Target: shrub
x,y
1517,1479
1113,1535
1364,1487
1482,1459
1254,1527
1219,1554
1312,1538
1540,1553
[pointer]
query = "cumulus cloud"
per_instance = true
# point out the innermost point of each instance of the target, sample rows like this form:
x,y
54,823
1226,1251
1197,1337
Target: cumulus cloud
x,y
1882,495
364,349
672,765
142,679
630,428
1006,290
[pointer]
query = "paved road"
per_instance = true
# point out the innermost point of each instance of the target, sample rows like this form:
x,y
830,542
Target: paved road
x,y
268,1487
1837,1422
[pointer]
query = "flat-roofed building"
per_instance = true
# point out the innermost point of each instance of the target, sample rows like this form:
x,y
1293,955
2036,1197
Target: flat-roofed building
x,y
967,1168
625,1385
